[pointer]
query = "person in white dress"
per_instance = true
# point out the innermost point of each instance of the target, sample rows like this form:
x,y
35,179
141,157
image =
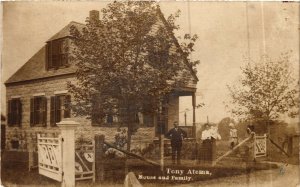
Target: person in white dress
x,y
233,136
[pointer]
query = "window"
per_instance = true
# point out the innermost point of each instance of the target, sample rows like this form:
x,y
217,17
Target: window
x,y
59,108
14,112
57,54
38,111
158,55
107,120
148,120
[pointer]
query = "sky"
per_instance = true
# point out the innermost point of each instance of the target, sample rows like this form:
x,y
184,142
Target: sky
x,y
225,39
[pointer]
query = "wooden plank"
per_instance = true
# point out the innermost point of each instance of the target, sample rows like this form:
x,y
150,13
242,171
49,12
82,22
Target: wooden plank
x,y
84,172
53,175
230,151
48,165
82,161
83,178
50,169
42,143
279,147
48,138
133,155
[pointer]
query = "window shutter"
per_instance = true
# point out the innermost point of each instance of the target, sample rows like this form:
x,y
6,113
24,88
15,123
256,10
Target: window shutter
x,y
52,111
47,56
67,103
19,106
50,55
44,111
31,111
58,108
9,112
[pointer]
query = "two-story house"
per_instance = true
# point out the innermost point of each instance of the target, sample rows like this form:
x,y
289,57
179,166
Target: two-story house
x,y
37,97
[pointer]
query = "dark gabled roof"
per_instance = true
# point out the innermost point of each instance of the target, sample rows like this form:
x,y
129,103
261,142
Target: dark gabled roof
x,y
34,68
162,17
65,32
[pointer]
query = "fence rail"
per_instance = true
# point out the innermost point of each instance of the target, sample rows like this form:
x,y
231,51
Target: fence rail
x,y
50,157
85,161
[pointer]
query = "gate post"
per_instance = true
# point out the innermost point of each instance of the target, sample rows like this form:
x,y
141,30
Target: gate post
x,y
67,128
99,163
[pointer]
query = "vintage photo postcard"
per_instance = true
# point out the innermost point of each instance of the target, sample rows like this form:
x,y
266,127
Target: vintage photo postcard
x,y
150,93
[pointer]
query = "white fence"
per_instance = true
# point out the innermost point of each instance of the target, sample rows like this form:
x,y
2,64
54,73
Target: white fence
x,y
58,159
260,146
50,157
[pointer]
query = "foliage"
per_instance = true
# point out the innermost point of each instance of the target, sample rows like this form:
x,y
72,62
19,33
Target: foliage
x,y
265,90
128,62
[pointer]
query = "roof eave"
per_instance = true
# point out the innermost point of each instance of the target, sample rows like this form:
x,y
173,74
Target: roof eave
x,y
162,17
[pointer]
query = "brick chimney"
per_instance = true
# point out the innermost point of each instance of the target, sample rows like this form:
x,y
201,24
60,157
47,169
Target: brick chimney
x,y
94,15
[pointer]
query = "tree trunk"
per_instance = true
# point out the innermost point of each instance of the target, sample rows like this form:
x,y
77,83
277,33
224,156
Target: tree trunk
x,y
268,128
128,121
129,129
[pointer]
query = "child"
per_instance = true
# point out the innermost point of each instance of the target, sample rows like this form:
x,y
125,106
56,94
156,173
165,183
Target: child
x,y
233,136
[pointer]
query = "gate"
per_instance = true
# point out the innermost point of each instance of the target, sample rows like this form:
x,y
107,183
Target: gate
x,y
260,146
85,161
50,157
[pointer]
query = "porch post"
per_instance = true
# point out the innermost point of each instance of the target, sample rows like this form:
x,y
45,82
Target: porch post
x,y
161,135
194,112
67,128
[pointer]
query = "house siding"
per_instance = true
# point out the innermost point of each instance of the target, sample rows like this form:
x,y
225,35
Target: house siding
x,y
26,135
173,110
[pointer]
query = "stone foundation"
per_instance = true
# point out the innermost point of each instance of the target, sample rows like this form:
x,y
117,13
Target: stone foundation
x,y
20,139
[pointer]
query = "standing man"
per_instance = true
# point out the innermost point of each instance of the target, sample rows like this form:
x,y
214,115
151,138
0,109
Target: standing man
x,y
176,135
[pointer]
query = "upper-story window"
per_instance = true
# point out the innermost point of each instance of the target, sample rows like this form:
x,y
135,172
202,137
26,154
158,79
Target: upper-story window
x,y
38,111
14,112
57,54
59,108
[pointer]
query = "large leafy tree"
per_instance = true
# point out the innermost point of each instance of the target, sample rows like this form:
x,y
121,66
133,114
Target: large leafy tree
x,y
266,90
128,62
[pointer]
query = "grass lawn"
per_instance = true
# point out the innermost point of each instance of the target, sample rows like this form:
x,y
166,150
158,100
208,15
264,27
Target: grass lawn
x,y
18,175
114,176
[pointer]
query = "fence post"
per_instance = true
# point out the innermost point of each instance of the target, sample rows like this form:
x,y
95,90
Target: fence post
x,y
99,164
67,128
30,156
